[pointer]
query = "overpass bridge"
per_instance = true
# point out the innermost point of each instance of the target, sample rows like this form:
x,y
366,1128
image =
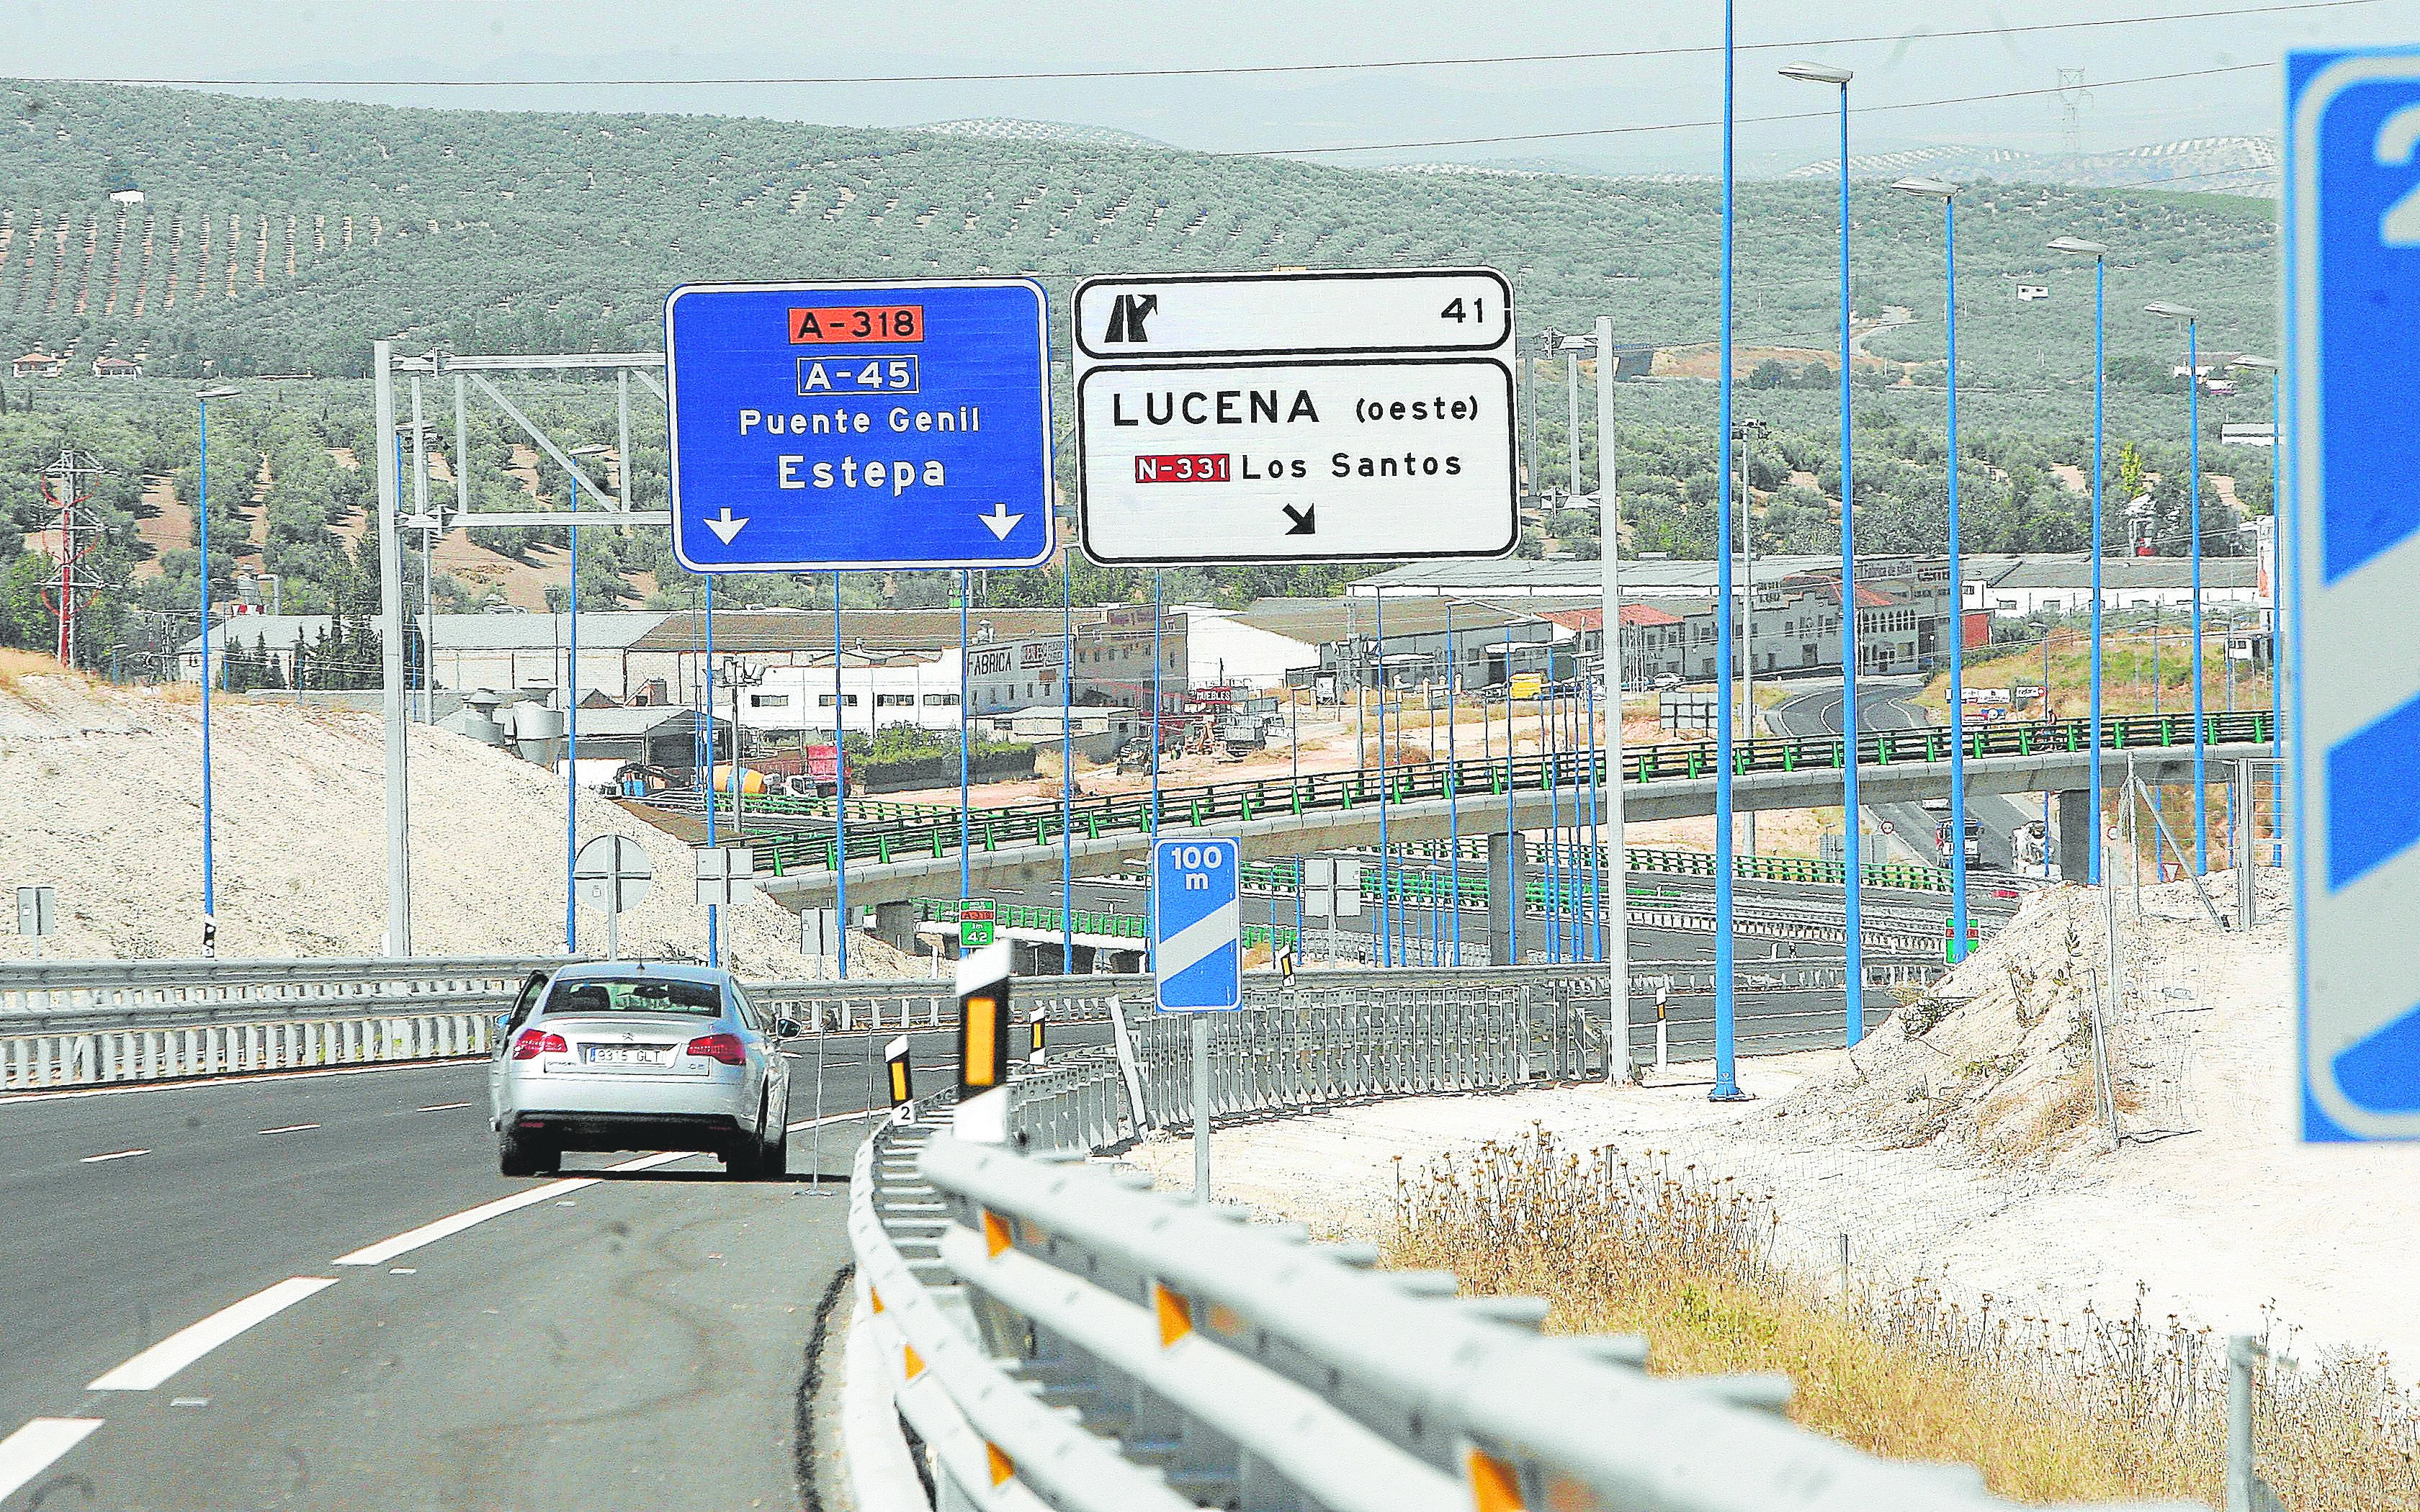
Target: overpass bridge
x,y
892,862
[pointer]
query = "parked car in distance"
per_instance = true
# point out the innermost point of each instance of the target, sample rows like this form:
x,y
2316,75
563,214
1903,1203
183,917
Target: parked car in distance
x,y
639,1055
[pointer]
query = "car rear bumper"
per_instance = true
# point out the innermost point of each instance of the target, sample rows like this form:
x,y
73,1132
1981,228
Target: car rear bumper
x,y
568,1130
623,1112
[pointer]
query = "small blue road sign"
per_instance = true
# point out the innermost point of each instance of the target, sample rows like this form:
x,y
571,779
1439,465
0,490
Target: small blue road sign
x,y
1196,921
2352,548
845,425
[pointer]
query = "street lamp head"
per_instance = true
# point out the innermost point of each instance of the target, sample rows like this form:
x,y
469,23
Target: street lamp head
x,y
2260,364
223,392
2167,311
1817,73
1934,188
1577,344
2078,246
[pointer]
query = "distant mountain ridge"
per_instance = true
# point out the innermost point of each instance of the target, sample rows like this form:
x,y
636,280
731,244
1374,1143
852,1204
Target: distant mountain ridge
x,y
2206,164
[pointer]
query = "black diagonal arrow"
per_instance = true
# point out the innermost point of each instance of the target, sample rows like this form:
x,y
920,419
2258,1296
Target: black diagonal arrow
x,y
1306,521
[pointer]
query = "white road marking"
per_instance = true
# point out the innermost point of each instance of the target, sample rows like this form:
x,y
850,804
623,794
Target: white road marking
x,y
115,1154
189,1401
839,1117
189,1344
433,1107
31,1449
429,1233
290,1128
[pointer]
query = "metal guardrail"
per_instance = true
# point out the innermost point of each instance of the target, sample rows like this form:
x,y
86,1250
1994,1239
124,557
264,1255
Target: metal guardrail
x,y
58,1057
1015,826
87,1022
199,990
68,1023
1066,1338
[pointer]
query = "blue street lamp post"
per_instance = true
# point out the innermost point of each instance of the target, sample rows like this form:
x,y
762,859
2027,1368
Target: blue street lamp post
x,y
2100,256
202,534
1948,193
2277,641
1727,1087
2191,318
1852,875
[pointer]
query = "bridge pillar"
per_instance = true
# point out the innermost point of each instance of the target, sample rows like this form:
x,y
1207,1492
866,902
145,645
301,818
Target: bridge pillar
x,y
2076,822
894,924
1505,879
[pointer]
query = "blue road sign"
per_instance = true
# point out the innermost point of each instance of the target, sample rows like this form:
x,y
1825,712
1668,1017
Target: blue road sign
x,y
1195,924
844,426
2352,546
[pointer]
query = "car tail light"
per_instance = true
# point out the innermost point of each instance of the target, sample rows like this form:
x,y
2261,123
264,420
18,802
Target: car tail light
x,y
723,1047
535,1042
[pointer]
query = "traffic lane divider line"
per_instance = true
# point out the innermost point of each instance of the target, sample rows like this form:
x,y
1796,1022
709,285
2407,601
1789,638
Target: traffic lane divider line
x,y
162,1360
115,1154
838,1118
286,1127
447,1228
37,1446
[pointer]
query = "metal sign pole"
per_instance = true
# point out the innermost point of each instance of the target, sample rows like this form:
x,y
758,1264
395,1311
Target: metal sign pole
x,y
398,803
1385,851
1616,860
1202,1108
840,783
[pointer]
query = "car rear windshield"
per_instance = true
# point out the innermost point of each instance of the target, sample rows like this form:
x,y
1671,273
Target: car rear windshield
x,y
644,994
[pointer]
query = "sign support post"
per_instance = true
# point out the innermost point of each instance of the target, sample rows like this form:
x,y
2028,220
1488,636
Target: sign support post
x,y
1202,1109
1197,956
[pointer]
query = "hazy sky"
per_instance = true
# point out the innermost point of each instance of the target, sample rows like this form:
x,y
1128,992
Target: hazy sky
x,y
665,39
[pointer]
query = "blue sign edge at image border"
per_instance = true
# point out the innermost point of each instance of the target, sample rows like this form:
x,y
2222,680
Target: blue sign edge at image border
x,y
2303,69
1158,981
672,426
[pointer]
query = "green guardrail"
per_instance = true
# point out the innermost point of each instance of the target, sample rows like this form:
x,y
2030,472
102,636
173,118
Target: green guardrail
x,y
1045,920
1017,826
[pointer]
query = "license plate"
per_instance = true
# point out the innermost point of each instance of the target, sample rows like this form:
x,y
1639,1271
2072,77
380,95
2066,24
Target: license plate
x,y
628,1055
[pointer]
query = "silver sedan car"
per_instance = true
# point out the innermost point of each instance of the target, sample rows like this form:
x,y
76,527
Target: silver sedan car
x,y
628,1054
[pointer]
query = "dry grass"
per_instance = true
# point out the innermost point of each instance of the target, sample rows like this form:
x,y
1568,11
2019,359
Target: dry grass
x,y
2094,1409
2136,679
16,666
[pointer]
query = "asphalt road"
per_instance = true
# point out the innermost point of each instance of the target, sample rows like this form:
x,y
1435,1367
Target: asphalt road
x,y
632,1338
1882,705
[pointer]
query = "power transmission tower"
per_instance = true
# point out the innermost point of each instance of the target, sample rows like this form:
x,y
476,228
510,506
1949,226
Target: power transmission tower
x,y
65,484
2073,98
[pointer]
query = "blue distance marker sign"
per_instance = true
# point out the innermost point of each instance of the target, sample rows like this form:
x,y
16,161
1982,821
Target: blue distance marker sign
x,y
845,425
1196,925
2352,544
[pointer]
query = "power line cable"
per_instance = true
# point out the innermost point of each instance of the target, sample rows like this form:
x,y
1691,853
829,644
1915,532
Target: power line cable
x,y
1647,126
1214,70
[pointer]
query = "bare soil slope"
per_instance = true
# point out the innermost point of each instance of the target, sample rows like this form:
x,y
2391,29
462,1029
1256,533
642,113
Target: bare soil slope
x,y
101,797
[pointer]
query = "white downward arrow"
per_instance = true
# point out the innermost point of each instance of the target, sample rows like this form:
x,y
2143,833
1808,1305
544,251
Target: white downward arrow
x,y
1001,521
726,526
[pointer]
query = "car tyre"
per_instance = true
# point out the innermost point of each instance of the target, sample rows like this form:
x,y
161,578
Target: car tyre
x,y
518,1155
773,1161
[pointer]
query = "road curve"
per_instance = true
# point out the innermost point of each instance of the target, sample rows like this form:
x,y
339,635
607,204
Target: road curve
x,y
607,1339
